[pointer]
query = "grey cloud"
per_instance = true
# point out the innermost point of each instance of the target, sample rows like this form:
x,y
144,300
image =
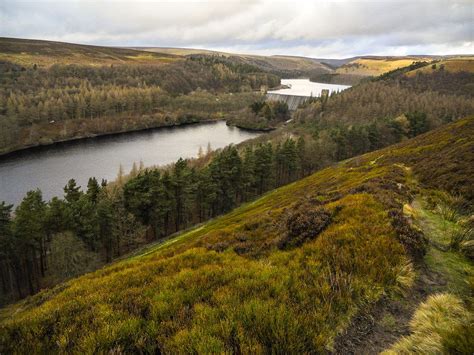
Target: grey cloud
x,y
316,28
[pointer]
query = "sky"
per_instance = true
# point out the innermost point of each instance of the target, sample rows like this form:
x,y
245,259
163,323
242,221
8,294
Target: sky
x,y
319,29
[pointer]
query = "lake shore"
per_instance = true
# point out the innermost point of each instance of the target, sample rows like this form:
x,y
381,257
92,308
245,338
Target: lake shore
x,y
50,167
91,136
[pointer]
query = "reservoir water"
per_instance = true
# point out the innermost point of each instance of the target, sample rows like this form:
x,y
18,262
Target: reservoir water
x,y
49,168
304,87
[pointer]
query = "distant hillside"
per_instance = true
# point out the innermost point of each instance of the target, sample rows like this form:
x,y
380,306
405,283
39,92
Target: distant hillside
x,y
339,71
287,66
52,91
453,65
373,66
46,53
299,270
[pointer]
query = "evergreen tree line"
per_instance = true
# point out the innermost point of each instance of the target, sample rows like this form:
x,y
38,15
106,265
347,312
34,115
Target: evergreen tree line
x,y
261,115
106,221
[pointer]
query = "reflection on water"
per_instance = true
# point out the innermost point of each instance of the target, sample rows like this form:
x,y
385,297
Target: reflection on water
x,y
49,168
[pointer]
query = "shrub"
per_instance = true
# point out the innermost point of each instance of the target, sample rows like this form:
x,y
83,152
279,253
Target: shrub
x,y
462,240
412,239
304,224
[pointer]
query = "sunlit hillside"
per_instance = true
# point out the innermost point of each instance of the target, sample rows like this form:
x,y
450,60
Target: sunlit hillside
x,y
286,273
47,53
376,66
453,65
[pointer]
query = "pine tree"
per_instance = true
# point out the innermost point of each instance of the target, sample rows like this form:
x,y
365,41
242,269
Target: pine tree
x,y
72,192
93,189
29,228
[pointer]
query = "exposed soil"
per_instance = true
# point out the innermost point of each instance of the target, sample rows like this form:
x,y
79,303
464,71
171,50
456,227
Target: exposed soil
x,y
378,327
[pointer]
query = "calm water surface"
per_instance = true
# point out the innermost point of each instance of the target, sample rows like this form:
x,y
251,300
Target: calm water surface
x,y
304,87
49,168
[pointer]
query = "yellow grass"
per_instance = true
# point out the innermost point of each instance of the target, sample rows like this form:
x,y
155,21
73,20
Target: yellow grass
x,y
375,66
452,65
441,325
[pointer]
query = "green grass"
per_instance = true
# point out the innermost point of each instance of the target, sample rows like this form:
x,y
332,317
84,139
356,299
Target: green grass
x,y
444,322
454,267
225,286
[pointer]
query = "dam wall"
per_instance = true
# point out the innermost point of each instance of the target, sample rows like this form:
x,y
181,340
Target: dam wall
x,y
293,101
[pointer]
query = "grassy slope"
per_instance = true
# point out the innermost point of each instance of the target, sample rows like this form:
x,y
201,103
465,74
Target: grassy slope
x,y
226,286
373,66
444,321
436,315
452,65
376,66
271,63
46,53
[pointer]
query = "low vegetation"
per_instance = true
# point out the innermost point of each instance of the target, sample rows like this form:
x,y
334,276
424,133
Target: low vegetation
x,y
455,65
227,285
441,325
374,66
26,53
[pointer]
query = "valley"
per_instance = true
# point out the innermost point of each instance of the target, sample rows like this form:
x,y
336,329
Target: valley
x,y
168,200
244,268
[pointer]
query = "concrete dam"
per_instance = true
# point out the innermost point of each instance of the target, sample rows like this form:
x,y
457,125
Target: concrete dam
x,y
293,101
297,91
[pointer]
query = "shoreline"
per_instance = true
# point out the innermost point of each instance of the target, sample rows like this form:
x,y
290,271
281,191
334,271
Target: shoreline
x,y
248,129
40,145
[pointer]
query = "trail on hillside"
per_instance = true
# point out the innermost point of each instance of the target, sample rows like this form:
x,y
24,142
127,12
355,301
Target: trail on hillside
x,y
442,270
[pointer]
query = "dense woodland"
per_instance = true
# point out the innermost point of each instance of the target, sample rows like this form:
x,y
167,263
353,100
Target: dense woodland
x,y
107,220
261,115
37,104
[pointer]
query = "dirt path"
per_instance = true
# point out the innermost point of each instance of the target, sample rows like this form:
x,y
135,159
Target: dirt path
x,y
381,325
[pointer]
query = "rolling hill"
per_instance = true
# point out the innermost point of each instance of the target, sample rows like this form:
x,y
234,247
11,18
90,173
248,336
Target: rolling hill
x,y
46,53
295,271
453,65
287,66
348,70
373,66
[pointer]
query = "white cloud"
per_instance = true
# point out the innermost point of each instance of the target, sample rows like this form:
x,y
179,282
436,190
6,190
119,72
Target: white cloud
x,y
313,28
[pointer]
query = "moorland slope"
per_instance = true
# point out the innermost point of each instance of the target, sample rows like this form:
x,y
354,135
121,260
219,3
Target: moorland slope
x,y
287,272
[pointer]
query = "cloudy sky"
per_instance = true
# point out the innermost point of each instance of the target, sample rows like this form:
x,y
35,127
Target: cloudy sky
x,y
338,28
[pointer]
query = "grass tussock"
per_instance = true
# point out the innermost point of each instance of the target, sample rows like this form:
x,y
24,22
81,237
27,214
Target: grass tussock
x,y
441,325
226,286
206,301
